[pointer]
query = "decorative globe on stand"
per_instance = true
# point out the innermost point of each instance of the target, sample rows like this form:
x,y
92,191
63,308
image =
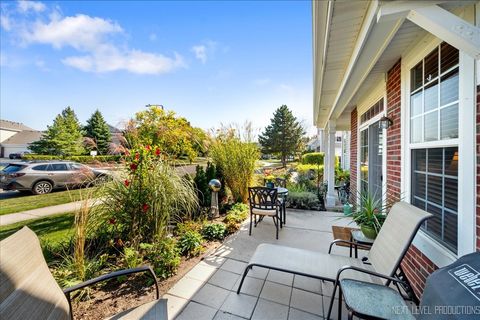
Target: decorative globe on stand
x,y
215,186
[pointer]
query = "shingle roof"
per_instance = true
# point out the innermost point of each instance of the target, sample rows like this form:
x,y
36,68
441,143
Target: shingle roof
x,y
13,126
24,137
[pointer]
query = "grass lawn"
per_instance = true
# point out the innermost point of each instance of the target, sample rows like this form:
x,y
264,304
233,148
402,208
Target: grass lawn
x,y
52,229
29,202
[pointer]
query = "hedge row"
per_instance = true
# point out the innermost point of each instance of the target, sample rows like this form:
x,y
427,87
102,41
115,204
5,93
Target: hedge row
x,y
317,158
81,159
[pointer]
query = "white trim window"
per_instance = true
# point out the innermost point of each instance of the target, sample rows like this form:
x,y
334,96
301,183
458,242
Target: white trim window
x,y
434,132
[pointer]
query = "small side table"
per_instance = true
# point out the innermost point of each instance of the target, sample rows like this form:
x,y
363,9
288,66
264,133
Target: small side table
x,y
358,238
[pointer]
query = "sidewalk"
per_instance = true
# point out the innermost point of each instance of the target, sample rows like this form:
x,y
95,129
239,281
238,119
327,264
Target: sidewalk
x,y
39,213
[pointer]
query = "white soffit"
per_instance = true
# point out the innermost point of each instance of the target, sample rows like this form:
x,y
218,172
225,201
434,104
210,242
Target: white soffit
x,y
346,20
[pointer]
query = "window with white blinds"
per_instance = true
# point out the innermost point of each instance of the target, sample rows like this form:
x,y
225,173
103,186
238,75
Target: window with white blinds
x,y
434,189
434,97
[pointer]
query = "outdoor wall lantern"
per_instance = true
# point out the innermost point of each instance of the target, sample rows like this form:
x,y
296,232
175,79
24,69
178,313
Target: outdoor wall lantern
x,y
385,122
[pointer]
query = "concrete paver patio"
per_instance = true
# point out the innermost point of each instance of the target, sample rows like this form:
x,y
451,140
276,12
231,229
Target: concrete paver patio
x,y
208,291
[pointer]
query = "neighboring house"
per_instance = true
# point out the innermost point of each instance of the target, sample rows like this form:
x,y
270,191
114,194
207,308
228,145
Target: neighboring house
x,y
342,146
16,137
417,65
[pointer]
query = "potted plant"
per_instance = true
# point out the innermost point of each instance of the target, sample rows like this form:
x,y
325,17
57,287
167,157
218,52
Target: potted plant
x,y
370,215
269,181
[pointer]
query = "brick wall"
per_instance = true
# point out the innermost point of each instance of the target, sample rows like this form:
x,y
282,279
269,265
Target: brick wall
x,y
478,168
353,156
393,133
416,266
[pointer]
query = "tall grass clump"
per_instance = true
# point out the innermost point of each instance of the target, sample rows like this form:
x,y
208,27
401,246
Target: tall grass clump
x,y
236,158
141,205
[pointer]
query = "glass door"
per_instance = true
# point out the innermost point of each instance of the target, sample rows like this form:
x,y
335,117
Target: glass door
x,y
371,160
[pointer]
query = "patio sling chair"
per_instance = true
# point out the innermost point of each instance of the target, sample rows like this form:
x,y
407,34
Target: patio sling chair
x,y
451,293
29,291
388,250
264,202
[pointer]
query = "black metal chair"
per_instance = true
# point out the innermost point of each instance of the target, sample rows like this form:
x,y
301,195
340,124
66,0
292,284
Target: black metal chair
x,y
282,198
264,202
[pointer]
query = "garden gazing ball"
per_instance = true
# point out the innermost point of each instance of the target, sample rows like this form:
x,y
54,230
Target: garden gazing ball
x,y
214,185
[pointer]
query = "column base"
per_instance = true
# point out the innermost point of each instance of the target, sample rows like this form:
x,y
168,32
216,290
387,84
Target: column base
x,y
330,201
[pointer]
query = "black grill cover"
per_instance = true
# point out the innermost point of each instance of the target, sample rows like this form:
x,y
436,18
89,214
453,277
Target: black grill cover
x,y
453,292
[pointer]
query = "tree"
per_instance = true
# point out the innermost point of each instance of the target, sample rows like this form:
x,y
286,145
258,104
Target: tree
x,y
63,137
283,136
157,127
98,130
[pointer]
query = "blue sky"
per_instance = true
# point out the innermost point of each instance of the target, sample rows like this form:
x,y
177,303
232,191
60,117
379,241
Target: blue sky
x,y
211,62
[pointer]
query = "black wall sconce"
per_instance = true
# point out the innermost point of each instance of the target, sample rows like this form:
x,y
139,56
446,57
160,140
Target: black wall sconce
x,y
385,122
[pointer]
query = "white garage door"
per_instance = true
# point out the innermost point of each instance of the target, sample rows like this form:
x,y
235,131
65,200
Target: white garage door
x,y
8,150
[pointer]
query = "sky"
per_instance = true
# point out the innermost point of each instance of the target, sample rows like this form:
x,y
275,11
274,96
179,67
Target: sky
x,y
212,62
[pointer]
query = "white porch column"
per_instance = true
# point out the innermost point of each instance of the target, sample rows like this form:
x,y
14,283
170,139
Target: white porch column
x,y
325,151
330,154
321,140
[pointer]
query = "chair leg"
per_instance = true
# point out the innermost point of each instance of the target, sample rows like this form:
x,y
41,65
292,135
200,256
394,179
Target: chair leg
x,y
350,315
243,278
279,217
331,301
276,222
250,229
284,211
340,296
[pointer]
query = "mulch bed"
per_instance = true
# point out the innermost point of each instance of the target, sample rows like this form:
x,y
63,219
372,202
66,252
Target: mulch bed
x,y
115,297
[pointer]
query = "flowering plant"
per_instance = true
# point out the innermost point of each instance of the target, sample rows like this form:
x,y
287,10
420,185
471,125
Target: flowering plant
x,y
148,197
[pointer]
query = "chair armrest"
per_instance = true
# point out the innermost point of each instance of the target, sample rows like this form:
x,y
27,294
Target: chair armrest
x,y
112,275
338,241
372,273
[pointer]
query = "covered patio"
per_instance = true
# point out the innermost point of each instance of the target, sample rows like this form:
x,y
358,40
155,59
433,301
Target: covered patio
x,y
208,291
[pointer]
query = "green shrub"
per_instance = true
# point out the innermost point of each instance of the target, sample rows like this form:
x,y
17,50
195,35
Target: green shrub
x,y
235,216
302,200
163,255
240,207
342,175
201,180
190,243
152,196
67,273
187,226
313,158
236,159
131,258
81,159
310,168
214,231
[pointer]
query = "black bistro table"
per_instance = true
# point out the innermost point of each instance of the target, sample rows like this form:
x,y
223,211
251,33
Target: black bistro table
x,y
358,238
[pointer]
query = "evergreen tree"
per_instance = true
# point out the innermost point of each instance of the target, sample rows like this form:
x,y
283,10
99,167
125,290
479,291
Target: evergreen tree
x,y
63,137
283,136
97,129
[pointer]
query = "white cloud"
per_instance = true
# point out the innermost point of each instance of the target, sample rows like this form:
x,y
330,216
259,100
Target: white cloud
x,y
81,32
261,82
200,53
27,5
93,38
204,51
5,22
134,61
